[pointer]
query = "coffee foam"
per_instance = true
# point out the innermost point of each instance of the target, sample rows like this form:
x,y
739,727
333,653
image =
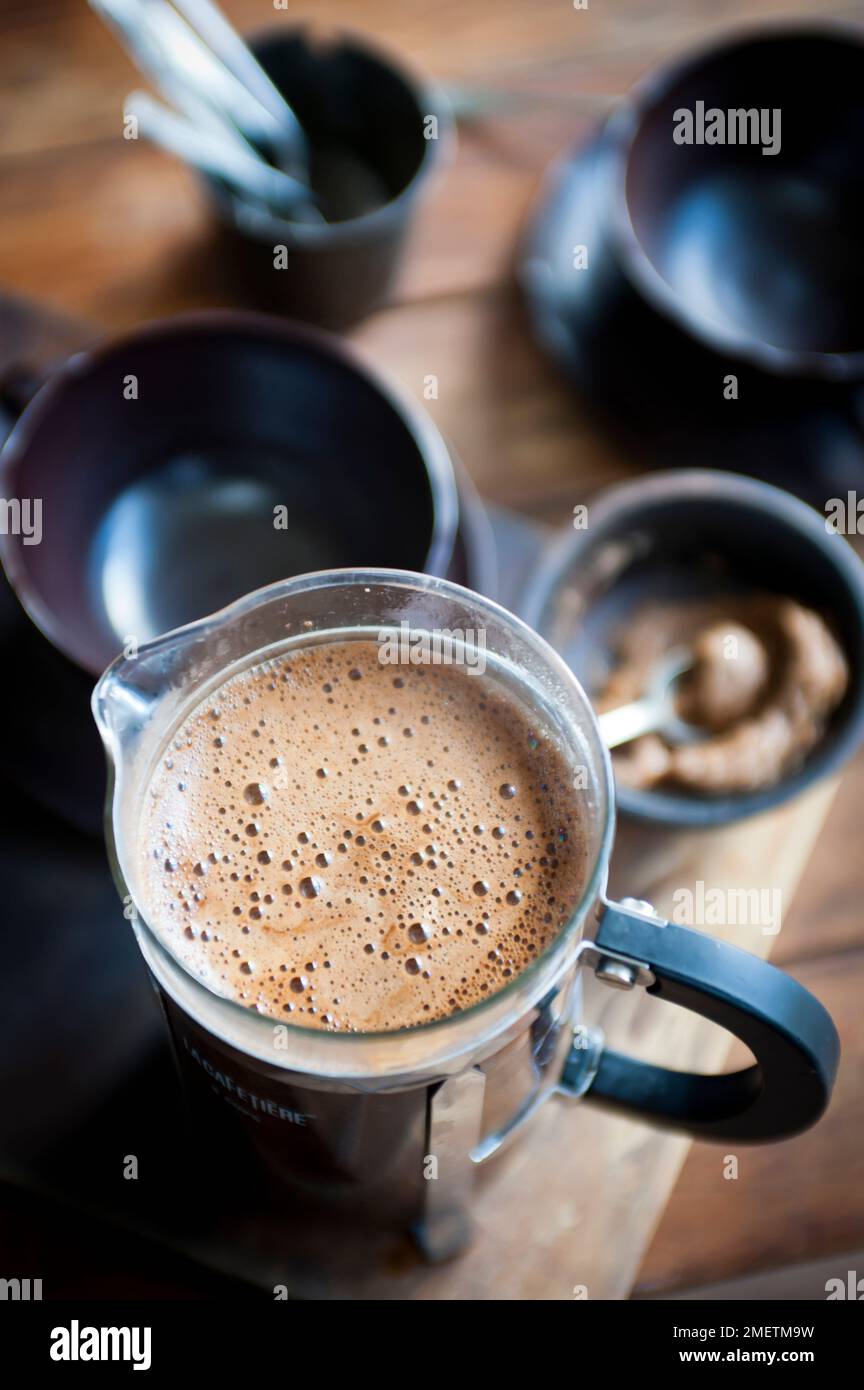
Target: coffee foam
x,y
348,845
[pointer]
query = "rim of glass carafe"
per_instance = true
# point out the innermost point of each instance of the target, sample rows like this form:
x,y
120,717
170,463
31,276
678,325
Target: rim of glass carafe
x,y
528,986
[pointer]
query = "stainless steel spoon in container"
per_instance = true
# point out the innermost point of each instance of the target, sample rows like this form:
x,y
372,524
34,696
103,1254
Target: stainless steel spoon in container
x,y
655,712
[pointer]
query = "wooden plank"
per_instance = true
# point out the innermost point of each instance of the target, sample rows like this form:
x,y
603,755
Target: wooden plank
x,y
671,869
140,243
111,229
58,60
527,439
826,916
793,1283
790,1203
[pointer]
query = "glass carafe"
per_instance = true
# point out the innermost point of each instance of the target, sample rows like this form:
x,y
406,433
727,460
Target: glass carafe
x,y
391,1127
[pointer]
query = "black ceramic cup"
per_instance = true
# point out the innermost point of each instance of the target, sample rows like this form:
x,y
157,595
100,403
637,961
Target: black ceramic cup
x,y
710,259
374,132
753,242
179,468
697,534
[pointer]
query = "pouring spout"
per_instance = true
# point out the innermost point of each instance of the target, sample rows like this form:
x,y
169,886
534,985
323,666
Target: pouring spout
x,y
129,698
118,706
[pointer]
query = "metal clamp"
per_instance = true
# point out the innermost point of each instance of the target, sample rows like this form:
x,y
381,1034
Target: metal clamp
x,y
621,972
612,967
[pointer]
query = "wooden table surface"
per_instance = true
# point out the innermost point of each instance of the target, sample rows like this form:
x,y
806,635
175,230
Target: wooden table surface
x,y
114,231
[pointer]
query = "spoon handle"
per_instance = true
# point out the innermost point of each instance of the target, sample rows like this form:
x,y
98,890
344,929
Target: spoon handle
x,y
214,155
128,21
200,66
222,38
630,721
170,53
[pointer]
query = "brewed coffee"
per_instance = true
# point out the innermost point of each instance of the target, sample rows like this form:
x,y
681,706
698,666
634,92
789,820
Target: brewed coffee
x,y
346,844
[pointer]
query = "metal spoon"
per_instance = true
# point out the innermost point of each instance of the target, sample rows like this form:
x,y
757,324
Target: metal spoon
x,y
271,124
176,60
192,76
655,711
223,40
251,177
127,21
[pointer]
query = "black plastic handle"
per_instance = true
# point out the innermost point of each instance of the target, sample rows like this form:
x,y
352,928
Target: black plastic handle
x,y
788,1031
